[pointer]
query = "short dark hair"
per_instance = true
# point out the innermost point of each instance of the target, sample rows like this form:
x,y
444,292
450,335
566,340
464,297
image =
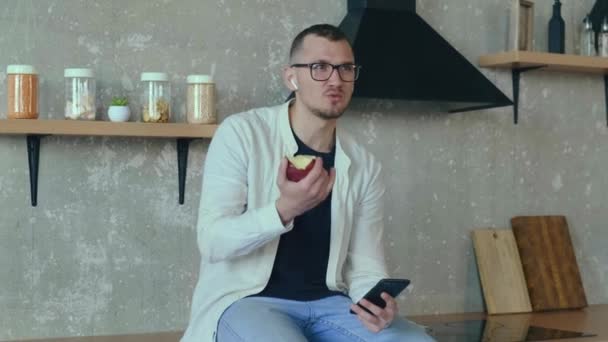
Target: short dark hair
x,y
327,31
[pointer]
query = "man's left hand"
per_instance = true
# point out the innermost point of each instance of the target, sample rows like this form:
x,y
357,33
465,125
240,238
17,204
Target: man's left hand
x,y
380,318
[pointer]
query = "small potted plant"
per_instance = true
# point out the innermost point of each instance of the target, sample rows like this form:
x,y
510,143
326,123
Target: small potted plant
x,y
119,110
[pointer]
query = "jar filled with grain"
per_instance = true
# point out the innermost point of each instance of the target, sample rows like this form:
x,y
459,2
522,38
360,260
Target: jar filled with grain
x,y
79,94
155,97
200,101
22,89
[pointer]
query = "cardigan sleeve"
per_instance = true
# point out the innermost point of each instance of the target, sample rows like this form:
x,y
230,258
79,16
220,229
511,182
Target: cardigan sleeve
x,y
227,228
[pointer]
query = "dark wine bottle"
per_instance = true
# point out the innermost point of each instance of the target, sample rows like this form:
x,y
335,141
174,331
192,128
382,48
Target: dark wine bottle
x,y
557,30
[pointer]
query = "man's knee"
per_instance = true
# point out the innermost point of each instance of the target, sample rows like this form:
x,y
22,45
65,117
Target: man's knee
x,y
226,331
251,319
238,310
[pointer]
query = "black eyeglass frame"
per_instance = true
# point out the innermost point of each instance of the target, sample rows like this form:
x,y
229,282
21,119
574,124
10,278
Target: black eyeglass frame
x,y
333,66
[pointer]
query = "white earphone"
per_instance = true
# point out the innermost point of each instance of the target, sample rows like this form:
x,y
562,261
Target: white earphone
x,y
294,83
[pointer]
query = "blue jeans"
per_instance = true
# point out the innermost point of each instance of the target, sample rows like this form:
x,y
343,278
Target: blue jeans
x,y
264,319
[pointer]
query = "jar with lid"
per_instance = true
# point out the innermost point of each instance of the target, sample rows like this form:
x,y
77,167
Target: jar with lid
x,y
79,94
22,92
155,97
603,39
587,38
200,101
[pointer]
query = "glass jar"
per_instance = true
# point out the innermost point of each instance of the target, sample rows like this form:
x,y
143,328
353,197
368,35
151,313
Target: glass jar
x,y
200,101
22,92
79,94
587,38
156,97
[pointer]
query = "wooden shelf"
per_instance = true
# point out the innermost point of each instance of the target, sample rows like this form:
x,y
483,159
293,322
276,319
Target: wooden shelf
x,y
106,128
522,61
35,129
549,61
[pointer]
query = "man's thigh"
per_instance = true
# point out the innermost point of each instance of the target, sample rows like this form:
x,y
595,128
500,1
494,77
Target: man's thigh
x,y
261,319
334,323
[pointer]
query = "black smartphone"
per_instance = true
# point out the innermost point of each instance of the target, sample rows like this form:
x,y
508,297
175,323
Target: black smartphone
x,y
391,286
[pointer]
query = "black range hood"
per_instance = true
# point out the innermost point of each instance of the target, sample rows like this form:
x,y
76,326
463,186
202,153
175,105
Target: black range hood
x,y
404,58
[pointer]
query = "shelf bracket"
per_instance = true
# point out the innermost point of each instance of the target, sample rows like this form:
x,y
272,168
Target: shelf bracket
x,y
515,73
33,157
183,146
606,95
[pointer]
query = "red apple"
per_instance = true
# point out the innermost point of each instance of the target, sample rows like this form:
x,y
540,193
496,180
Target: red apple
x,y
299,166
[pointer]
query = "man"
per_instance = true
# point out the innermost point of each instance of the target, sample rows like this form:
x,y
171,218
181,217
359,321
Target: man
x,y
282,260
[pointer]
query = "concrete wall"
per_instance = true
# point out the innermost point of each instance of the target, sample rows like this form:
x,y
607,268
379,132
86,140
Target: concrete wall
x,y
108,249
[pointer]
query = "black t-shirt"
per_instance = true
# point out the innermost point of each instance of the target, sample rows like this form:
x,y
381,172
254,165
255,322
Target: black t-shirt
x,y
300,266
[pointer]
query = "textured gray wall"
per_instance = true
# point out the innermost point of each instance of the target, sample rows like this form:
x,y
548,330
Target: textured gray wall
x,y
108,250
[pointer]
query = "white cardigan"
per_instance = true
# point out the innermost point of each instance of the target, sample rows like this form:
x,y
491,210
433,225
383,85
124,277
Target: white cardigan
x,y
239,227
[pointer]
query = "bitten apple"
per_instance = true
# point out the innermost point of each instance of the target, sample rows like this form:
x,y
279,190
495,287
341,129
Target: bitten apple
x,y
299,166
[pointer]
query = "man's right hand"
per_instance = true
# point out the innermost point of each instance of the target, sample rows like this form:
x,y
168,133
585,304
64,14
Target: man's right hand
x,y
299,197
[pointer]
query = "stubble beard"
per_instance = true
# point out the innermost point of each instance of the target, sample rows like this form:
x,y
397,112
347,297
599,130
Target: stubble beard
x,y
331,114
327,115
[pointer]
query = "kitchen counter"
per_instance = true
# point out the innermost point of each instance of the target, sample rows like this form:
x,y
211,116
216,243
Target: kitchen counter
x,y
593,319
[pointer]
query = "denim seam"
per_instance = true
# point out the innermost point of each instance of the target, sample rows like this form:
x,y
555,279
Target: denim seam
x,y
232,332
311,316
341,330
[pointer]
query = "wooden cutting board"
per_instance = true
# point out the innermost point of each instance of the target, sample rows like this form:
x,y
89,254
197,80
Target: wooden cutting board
x,y
502,277
552,275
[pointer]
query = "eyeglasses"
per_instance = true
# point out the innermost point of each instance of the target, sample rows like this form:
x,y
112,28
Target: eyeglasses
x,y
348,72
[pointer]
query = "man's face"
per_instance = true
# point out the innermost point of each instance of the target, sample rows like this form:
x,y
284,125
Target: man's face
x,y
326,99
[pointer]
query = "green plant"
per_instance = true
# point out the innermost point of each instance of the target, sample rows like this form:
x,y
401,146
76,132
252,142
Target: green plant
x,y
119,101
